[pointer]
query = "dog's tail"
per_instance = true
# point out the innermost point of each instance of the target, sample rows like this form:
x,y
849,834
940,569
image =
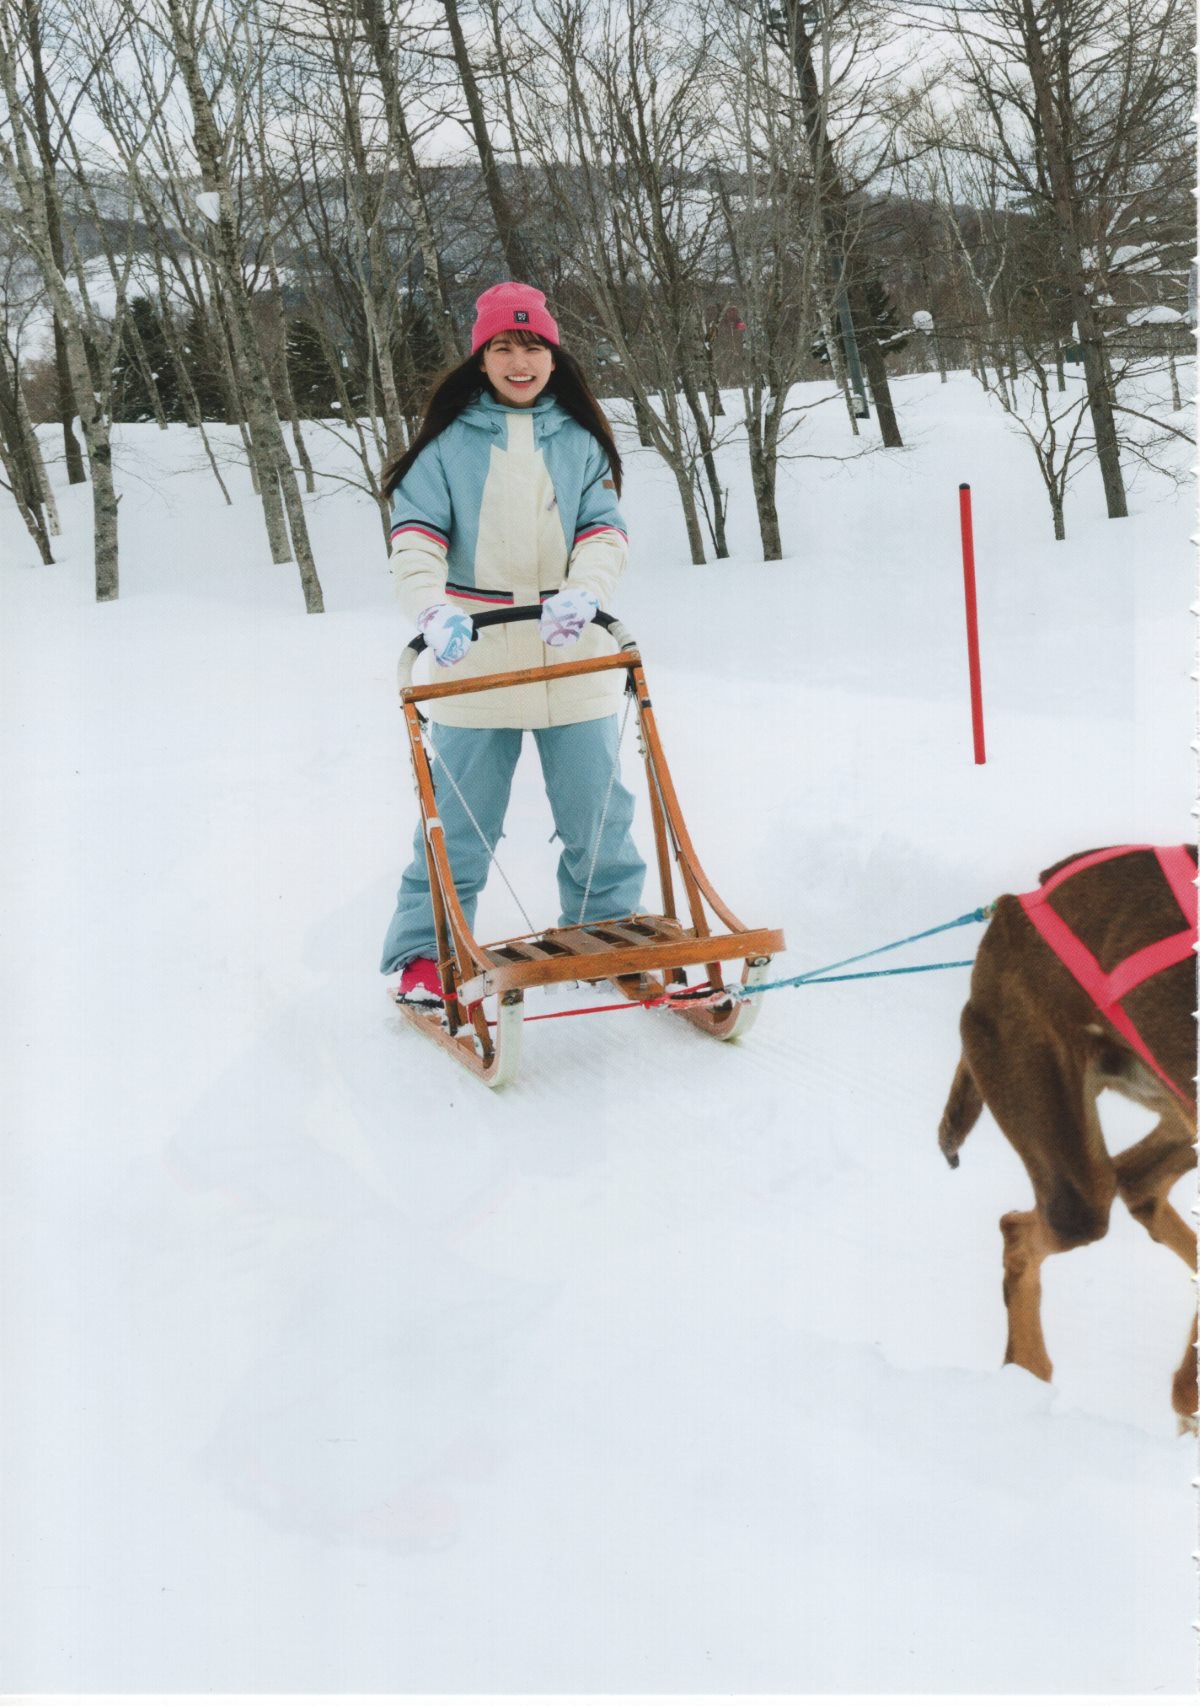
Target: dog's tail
x,y
963,1107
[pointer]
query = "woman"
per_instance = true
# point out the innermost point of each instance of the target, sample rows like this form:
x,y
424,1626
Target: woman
x,y
507,497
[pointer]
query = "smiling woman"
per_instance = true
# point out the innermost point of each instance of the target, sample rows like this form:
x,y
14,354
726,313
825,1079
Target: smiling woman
x,y
508,497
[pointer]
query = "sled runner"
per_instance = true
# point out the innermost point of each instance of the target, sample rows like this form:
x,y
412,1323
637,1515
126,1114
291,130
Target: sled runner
x,y
646,957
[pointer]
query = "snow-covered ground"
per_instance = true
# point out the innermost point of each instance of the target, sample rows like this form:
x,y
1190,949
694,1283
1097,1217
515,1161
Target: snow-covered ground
x,y
675,1366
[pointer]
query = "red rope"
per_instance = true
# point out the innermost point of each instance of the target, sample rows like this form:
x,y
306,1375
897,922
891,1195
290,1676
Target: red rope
x,y
574,1012
695,1000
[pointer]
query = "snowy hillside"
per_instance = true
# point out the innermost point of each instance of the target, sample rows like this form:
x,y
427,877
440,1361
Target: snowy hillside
x,y
676,1366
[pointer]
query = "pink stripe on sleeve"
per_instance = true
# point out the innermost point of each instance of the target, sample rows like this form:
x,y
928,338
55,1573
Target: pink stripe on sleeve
x,y
593,532
425,532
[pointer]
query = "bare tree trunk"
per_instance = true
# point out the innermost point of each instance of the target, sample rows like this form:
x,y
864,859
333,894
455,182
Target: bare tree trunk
x,y
719,500
225,342
834,207
691,515
256,404
49,502
875,369
35,192
285,378
835,355
67,410
762,478
18,463
504,65
1176,399
275,466
383,58
519,260
1060,173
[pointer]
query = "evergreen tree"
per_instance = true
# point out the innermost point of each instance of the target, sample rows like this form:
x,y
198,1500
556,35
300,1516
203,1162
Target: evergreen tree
x,y
313,383
136,370
416,355
204,366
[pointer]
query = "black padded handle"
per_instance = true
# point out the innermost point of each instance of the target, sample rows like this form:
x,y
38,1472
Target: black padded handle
x,y
525,613
515,613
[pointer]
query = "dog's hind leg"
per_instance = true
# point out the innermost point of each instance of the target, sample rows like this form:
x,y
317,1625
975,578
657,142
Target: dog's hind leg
x,y
1145,1173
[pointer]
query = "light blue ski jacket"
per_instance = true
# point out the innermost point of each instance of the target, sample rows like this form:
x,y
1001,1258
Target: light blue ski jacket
x,y
503,508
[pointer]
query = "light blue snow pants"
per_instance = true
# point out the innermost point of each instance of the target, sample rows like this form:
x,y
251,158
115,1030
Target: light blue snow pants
x,y
577,761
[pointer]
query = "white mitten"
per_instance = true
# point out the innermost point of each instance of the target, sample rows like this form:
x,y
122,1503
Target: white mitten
x,y
447,633
566,615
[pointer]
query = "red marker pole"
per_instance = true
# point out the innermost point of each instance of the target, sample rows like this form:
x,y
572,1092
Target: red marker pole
x,y
968,551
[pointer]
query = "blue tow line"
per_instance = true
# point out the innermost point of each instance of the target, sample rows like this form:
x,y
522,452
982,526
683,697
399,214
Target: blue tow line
x,y
821,973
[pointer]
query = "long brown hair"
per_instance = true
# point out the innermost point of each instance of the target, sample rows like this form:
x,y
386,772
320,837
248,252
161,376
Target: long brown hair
x,y
453,391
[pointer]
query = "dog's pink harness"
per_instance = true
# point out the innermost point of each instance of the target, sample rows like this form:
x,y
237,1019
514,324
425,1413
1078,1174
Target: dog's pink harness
x,y
1109,989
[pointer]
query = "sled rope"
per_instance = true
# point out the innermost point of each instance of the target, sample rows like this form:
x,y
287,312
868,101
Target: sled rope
x,y
820,974
587,892
438,759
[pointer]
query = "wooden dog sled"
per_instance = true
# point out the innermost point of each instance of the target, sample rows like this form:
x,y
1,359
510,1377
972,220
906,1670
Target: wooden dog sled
x,y
646,957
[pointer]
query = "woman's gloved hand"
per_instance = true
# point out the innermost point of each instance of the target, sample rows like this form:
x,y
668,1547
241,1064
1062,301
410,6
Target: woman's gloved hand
x,y
566,615
448,633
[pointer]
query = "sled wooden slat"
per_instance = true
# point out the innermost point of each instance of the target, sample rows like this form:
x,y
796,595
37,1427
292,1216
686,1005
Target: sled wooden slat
x,y
606,951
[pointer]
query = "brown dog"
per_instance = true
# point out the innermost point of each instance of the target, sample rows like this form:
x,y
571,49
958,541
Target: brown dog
x,y
1037,1050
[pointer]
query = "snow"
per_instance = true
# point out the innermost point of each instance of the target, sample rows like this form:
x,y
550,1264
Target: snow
x,y
1127,257
1155,316
674,1367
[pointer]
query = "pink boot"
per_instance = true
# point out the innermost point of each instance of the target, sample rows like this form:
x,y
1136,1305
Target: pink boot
x,y
419,982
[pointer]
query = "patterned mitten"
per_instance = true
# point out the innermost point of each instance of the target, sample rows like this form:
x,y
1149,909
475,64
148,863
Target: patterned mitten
x,y
447,632
566,615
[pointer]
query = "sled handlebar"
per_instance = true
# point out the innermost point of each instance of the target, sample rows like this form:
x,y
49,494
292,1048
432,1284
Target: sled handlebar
x,y
517,613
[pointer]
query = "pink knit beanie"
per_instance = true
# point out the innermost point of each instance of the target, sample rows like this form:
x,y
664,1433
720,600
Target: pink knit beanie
x,y
512,308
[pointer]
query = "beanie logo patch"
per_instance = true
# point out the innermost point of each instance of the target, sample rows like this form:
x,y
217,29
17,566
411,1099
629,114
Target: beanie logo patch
x,y
521,316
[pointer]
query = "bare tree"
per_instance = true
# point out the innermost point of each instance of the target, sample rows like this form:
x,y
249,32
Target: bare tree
x,y
839,91
1084,98
92,338
615,117
773,239
30,28
518,255
195,34
383,28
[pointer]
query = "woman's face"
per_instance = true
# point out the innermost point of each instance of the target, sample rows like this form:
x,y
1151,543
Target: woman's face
x,y
518,372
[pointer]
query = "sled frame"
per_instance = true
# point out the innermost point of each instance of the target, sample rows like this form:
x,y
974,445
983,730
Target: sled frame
x,y
643,956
